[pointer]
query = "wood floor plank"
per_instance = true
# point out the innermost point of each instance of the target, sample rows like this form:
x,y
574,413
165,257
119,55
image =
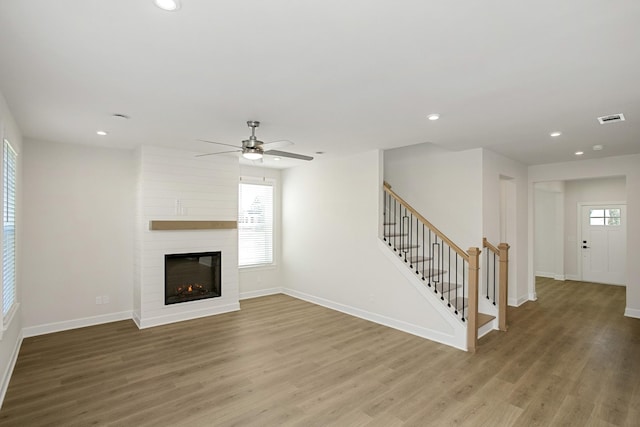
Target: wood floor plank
x,y
569,358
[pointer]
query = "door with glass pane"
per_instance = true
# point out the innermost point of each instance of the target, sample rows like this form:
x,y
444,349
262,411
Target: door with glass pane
x,y
603,244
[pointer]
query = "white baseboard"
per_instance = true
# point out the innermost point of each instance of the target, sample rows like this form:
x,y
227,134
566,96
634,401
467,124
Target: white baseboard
x,y
136,319
548,275
545,274
517,302
632,312
532,297
572,277
377,318
260,293
6,375
49,328
150,322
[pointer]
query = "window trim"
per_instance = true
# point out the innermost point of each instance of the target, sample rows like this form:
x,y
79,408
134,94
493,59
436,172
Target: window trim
x,y
247,179
6,318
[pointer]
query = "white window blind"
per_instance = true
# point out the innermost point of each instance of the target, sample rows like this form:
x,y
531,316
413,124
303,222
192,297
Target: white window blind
x,y
255,224
9,229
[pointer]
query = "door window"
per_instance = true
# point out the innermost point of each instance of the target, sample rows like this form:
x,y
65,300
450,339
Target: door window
x,y
604,217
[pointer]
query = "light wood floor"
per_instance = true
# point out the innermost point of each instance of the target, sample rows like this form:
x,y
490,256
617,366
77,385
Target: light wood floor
x,y
570,358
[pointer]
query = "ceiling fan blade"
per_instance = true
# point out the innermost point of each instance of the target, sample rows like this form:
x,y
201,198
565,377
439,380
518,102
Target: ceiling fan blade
x,y
276,144
219,143
287,154
219,152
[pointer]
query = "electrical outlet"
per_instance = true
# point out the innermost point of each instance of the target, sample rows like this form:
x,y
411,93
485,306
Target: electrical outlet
x,y
105,299
98,300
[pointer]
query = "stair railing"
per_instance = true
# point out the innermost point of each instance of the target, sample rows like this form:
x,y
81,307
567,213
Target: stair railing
x,y
449,271
497,277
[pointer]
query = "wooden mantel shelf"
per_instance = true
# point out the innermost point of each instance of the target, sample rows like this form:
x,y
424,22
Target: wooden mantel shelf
x,y
192,225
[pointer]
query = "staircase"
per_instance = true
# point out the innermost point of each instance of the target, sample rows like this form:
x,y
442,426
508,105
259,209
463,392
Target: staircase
x,y
450,273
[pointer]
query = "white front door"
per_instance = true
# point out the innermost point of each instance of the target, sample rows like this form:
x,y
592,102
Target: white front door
x,y
603,243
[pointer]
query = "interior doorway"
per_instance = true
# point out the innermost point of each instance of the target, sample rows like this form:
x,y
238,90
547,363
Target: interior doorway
x,y
557,229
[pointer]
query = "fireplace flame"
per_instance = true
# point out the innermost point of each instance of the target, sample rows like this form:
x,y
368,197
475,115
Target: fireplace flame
x,y
190,289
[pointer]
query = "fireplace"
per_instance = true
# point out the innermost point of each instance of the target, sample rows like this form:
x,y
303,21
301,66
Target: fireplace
x,y
193,276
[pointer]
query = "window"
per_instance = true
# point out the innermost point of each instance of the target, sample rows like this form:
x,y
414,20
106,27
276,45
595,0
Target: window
x,y
609,217
255,223
9,229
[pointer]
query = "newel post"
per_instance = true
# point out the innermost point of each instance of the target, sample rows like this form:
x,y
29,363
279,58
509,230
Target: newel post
x,y
472,319
504,285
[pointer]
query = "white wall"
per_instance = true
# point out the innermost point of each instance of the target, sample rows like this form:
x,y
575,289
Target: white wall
x,y
78,234
258,281
331,245
627,166
11,334
549,229
443,186
581,191
495,169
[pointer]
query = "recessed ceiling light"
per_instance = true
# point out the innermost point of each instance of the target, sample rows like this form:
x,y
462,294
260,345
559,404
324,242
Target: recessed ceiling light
x,y
168,5
597,147
433,116
277,159
101,133
579,153
554,134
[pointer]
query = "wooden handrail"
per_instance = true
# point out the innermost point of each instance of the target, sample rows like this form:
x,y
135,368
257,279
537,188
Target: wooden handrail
x,y
438,233
486,244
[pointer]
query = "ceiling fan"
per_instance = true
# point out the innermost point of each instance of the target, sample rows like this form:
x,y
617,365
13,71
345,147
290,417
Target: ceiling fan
x,y
254,149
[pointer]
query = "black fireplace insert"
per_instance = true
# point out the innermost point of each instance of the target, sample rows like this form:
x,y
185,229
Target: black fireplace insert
x,y
192,276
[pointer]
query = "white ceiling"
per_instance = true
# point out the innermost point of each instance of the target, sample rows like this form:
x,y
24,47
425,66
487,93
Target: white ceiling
x,y
334,76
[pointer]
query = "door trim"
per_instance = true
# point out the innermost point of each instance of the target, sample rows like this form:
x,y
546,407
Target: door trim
x,y
579,226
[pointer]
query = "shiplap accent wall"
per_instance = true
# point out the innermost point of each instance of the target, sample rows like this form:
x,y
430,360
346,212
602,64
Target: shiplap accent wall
x,y
176,185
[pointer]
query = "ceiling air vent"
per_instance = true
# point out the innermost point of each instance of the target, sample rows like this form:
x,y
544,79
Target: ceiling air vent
x,y
611,118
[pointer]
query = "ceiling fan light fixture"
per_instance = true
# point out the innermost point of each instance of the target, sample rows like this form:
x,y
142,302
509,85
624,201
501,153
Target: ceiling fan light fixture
x,y
252,153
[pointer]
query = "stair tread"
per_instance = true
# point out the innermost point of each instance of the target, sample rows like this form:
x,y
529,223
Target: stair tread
x,y
395,234
444,288
483,319
459,302
433,272
407,247
419,258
